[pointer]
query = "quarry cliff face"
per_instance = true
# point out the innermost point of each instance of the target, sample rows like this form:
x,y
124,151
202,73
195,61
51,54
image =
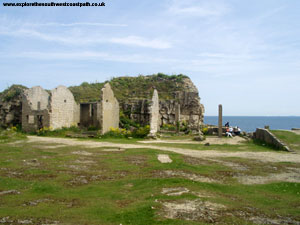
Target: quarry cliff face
x,y
191,110
134,96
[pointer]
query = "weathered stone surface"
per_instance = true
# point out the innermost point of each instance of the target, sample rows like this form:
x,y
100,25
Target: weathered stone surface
x,y
154,114
109,109
269,138
64,109
35,109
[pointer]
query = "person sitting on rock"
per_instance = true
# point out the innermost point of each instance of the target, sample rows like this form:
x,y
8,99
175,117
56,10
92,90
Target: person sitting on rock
x,y
228,133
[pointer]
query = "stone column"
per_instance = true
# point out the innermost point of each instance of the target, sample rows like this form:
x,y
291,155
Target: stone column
x,y
220,130
177,117
154,114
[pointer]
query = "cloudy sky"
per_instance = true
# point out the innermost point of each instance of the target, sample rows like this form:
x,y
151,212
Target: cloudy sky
x,y
242,54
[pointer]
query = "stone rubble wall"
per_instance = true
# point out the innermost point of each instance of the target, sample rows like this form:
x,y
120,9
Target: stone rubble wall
x,y
266,136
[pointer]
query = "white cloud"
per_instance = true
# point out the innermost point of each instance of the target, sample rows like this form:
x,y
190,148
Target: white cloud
x,y
80,39
198,8
142,42
88,55
76,24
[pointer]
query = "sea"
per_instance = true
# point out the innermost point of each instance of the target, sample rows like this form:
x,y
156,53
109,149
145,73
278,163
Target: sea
x,y
250,123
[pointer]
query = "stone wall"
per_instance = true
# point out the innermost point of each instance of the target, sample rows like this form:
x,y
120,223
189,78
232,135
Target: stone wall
x,y
266,136
35,109
109,109
63,108
41,109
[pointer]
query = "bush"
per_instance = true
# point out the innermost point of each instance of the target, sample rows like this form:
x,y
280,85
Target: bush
x,y
141,132
205,130
117,133
48,131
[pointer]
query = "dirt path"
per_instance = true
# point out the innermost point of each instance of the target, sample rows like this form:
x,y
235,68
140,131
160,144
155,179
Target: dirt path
x,y
262,156
212,140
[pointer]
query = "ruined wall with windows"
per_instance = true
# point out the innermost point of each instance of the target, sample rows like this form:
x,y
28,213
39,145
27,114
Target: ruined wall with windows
x,y
35,109
56,109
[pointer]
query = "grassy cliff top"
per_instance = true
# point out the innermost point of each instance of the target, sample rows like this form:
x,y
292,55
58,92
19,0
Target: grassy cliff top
x,y
12,92
133,87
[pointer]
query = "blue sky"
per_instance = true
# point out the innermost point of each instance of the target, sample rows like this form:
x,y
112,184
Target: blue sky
x,y
242,54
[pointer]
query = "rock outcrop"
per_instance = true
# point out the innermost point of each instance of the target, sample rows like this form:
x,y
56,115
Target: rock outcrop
x,y
11,106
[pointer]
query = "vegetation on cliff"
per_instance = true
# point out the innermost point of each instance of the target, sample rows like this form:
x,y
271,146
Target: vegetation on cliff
x,y
11,92
123,87
132,87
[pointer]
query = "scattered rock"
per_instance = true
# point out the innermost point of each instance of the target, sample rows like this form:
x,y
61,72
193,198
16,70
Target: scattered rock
x,y
164,158
114,150
10,192
82,153
36,202
199,138
190,176
193,210
207,144
175,191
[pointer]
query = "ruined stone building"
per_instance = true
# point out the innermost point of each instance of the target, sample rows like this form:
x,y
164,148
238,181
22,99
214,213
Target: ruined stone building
x,y
103,114
56,109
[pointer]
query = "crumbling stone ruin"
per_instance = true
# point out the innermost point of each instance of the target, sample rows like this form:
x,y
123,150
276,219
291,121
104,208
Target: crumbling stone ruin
x,y
179,103
103,114
56,109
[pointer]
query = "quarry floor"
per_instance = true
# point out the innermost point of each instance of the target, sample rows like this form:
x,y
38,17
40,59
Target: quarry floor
x,y
46,180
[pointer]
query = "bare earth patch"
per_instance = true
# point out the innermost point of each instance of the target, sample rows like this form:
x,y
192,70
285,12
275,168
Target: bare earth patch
x,y
164,158
293,175
192,210
85,153
189,176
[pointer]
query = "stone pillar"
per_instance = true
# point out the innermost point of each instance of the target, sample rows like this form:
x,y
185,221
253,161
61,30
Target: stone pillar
x,y
154,114
177,117
220,130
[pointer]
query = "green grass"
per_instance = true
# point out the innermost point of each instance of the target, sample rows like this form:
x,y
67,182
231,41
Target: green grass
x,y
125,187
288,137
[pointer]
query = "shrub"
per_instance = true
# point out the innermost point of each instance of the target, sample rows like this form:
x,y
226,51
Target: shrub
x,y
205,130
141,132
